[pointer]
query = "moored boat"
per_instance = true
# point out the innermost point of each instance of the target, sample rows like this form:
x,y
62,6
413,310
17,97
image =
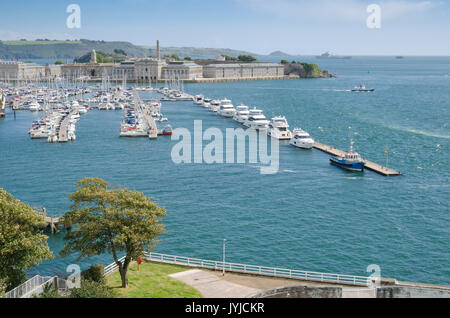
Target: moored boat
x,y
351,161
301,139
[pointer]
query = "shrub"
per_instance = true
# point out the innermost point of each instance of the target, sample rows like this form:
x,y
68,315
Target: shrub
x,y
91,289
95,273
49,292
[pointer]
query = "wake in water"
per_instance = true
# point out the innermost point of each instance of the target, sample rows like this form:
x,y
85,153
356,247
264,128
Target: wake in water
x,y
419,132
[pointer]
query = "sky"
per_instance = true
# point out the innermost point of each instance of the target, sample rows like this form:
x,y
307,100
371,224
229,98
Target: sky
x,y
305,27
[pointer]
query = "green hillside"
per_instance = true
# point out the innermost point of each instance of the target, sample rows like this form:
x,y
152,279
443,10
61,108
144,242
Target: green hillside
x,y
57,49
47,49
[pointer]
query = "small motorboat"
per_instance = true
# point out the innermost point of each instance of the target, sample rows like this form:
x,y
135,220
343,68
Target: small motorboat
x,y
362,88
351,161
167,131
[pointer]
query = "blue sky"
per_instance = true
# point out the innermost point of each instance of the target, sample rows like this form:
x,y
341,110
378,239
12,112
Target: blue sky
x,y
408,27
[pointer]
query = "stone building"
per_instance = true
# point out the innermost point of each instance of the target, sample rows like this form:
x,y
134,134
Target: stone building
x,y
243,70
97,70
182,70
14,70
148,69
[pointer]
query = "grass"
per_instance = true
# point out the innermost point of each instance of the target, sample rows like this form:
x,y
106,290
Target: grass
x,y
39,42
152,281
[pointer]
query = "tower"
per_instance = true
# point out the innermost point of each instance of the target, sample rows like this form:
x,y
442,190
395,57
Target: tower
x,y
93,57
158,55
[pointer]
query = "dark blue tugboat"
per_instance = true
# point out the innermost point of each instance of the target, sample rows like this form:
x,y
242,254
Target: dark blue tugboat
x,y
352,161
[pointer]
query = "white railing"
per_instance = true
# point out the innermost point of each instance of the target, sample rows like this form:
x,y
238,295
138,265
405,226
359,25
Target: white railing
x,y
113,266
33,286
251,269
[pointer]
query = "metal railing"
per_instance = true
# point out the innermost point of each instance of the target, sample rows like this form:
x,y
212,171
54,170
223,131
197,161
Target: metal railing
x,y
33,286
251,269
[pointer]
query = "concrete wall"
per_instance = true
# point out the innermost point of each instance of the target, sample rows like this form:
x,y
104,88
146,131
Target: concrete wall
x,y
345,292
411,292
301,292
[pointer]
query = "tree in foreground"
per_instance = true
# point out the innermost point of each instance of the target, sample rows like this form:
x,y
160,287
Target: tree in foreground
x,y
22,243
114,220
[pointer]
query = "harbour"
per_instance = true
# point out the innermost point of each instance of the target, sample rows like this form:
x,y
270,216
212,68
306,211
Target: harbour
x,y
313,105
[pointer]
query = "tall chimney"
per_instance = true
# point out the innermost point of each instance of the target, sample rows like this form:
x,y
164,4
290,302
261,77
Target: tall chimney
x,y
158,56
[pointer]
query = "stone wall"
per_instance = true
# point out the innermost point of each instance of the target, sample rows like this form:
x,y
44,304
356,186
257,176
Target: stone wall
x,y
301,292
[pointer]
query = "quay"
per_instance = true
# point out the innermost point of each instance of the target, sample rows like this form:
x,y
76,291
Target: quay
x,y
385,171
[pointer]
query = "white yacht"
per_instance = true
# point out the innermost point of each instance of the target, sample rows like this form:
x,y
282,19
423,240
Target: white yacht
x,y
226,109
215,105
206,102
256,120
302,139
241,114
34,106
198,99
279,128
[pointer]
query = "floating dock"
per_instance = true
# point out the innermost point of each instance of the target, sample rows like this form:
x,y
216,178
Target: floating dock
x,y
385,171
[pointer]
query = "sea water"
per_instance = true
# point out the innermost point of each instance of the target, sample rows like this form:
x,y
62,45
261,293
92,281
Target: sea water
x,y
310,215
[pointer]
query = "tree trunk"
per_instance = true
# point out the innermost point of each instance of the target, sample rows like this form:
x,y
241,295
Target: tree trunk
x,y
123,272
123,277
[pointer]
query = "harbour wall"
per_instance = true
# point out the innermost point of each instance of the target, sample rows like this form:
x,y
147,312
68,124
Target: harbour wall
x,y
343,292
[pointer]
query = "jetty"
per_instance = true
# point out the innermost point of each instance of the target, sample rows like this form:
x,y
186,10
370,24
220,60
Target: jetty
x,y
53,223
385,171
152,127
64,130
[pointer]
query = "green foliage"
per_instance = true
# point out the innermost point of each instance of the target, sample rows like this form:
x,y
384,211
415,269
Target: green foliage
x,y
115,220
59,62
120,52
247,58
91,289
284,62
230,58
49,292
2,287
22,243
188,58
311,69
95,273
173,57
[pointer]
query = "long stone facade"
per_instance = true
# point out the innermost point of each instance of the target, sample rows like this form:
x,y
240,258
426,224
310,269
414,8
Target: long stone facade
x,y
140,70
243,70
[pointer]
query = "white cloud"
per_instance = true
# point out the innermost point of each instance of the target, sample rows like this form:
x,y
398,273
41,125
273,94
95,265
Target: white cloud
x,y
332,10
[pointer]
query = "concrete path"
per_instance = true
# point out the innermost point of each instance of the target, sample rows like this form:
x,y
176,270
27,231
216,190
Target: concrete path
x,y
212,286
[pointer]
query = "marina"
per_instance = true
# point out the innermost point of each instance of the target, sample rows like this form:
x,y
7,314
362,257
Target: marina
x,y
140,117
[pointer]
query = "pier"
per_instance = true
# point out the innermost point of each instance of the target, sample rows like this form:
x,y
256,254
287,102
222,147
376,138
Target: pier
x,y
385,171
53,223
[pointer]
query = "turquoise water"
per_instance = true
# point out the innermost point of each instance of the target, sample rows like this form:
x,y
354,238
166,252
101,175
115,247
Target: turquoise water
x,y
310,215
